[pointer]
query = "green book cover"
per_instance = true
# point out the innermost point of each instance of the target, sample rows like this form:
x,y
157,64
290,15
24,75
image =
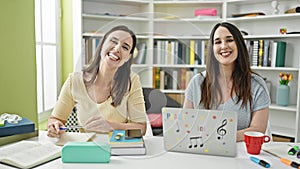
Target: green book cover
x,y
280,54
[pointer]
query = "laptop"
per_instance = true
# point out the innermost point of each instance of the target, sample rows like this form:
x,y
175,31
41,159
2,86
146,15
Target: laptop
x,y
211,132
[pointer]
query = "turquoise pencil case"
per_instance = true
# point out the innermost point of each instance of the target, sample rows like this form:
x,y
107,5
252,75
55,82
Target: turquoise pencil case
x,y
86,152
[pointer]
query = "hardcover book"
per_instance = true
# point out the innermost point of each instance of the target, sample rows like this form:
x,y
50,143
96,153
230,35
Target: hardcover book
x,y
23,126
280,54
122,145
141,53
128,151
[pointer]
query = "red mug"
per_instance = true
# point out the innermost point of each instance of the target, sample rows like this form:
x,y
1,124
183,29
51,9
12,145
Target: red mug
x,y
254,140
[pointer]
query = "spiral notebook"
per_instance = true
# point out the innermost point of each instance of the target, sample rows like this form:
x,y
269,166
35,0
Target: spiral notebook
x,y
211,132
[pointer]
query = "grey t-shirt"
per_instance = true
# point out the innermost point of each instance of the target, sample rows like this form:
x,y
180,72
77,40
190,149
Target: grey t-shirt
x,y
259,91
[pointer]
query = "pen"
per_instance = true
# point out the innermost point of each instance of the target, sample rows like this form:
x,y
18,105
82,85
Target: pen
x,y
69,127
63,128
260,162
290,163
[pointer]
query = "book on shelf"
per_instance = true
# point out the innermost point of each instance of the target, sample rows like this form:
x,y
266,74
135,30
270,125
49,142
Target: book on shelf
x,y
198,52
175,80
188,76
179,53
255,53
263,53
249,46
169,52
204,51
277,52
182,78
175,48
140,57
187,55
89,46
266,58
273,52
121,144
27,154
280,54
164,54
162,79
158,47
190,52
260,52
266,53
172,79
156,78
168,80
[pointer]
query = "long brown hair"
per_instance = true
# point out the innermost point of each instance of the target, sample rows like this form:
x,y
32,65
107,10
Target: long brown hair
x,y
122,82
211,95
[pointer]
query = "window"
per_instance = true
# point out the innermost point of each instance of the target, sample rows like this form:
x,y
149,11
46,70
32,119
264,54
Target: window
x,y
47,29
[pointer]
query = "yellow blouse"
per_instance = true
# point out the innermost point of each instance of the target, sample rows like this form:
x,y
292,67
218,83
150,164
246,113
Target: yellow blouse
x,y
74,93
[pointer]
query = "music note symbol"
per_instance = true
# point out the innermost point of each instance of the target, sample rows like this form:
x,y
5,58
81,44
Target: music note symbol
x,y
196,138
221,131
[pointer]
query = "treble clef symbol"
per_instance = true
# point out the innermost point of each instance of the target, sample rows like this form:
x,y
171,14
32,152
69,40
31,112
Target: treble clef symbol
x,y
221,131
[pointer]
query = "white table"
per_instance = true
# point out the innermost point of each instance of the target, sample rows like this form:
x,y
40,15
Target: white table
x,y
157,157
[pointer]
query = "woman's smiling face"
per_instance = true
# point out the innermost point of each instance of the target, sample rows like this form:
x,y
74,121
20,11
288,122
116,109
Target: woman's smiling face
x,y
116,48
224,46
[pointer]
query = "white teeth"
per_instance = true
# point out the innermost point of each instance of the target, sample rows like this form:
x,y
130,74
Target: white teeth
x,y
225,53
113,56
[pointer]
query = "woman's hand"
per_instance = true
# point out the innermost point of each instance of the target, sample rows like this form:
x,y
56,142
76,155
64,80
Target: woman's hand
x,y
53,127
97,124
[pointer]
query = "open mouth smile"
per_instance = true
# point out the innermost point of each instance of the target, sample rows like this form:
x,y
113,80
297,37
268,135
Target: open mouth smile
x,y
225,54
113,57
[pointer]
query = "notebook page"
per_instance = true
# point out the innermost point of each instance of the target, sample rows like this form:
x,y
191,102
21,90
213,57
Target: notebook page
x,y
10,149
74,137
27,157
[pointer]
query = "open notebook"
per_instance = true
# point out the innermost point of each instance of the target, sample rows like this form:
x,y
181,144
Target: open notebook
x,y
211,132
27,154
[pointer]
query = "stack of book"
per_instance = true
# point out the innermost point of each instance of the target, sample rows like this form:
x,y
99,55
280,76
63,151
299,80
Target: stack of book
x,y
122,145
